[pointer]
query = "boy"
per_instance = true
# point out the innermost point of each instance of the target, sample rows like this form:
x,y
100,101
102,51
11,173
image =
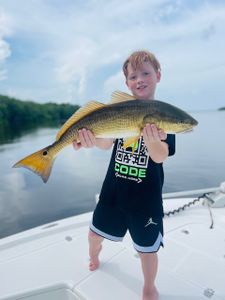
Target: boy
x,y
133,202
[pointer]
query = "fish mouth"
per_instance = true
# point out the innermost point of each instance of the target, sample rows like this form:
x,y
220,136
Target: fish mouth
x,y
195,122
189,130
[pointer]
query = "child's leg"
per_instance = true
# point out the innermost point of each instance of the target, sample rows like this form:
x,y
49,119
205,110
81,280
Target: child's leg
x,y
95,247
149,262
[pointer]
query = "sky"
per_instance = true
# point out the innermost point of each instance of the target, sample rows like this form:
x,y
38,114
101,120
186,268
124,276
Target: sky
x,y
73,50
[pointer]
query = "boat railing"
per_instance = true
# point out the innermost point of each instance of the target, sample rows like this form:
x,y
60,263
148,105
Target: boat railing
x,y
214,197
190,193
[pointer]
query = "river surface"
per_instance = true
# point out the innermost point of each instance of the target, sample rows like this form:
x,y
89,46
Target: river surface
x,y
25,201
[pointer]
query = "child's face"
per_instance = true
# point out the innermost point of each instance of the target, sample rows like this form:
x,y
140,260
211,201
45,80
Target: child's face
x,y
142,82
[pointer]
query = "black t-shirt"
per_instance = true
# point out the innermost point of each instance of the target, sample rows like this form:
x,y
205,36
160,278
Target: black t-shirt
x,y
134,181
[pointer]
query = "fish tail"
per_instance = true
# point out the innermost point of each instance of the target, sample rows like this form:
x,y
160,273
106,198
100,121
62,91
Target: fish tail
x,y
39,162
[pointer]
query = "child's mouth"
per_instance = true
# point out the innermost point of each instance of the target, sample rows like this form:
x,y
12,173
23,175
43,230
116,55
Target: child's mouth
x,y
141,87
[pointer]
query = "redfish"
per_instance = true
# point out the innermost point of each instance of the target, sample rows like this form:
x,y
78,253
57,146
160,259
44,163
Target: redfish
x,y
124,117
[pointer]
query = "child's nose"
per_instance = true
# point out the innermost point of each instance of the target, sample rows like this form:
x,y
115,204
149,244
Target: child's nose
x,y
140,79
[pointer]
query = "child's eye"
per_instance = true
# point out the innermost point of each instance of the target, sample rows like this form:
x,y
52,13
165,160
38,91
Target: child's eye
x,y
132,77
146,73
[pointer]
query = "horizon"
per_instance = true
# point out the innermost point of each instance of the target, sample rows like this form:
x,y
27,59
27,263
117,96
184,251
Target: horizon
x,y
75,104
55,52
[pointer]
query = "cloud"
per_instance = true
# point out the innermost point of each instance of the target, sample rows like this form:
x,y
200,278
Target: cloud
x,y
115,82
5,30
77,49
73,64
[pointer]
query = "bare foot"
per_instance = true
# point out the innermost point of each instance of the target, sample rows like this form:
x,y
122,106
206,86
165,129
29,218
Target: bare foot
x,y
94,264
94,261
150,294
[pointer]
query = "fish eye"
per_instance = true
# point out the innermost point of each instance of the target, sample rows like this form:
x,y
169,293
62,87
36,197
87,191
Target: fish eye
x,y
45,153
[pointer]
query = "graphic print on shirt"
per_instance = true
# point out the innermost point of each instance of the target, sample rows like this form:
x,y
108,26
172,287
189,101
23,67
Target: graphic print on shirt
x,y
131,166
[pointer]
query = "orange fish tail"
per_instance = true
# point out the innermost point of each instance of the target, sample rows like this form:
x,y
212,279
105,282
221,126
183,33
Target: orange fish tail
x,y
39,162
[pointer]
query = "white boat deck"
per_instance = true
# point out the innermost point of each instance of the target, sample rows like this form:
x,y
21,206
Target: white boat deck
x,y
51,261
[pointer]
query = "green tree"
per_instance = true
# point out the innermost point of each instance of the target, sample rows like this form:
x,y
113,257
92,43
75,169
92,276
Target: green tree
x,y
17,115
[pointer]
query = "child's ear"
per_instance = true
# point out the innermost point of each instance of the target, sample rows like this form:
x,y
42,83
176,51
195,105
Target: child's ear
x,y
158,75
127,83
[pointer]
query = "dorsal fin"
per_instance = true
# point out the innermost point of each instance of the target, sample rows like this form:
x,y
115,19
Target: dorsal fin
x,y
119,96
80,113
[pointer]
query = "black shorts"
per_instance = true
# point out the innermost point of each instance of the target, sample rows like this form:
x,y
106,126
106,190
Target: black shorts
x,y
112,223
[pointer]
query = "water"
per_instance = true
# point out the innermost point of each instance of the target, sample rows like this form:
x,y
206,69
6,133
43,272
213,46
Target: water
x,y
25,201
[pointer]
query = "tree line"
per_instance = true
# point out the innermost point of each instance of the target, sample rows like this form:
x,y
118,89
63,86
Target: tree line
x,y
14,112
17,115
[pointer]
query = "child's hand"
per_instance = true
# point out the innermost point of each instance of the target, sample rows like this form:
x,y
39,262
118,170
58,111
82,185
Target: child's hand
x,y
87,139
152,134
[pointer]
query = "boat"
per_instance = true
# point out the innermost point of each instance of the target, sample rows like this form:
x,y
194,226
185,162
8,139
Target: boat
x,y
51,261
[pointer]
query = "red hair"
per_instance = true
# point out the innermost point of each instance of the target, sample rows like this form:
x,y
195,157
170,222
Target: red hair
x,y
137,58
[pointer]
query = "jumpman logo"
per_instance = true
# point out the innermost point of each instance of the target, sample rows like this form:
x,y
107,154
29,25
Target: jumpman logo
x,y
150,221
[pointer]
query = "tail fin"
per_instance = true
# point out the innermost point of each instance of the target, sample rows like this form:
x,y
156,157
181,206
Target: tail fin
x,y
39,162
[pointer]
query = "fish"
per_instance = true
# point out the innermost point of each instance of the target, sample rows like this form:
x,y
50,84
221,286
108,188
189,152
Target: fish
x,y
123,117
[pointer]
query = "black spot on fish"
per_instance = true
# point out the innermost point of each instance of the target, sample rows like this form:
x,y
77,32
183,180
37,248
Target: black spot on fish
x,y
45,153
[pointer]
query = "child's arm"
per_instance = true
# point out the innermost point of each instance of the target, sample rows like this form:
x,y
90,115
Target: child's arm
x,y
88,140
157,149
